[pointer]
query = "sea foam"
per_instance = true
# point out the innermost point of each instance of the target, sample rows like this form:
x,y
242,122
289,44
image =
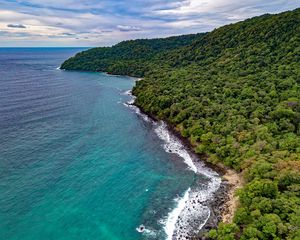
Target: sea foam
x,y
130,104
170,224
172,145
190,213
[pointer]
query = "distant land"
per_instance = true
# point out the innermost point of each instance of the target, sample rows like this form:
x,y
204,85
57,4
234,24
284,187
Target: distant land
x,y
234,93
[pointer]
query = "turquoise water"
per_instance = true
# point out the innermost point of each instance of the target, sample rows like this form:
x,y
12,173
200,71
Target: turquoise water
x,y
75,162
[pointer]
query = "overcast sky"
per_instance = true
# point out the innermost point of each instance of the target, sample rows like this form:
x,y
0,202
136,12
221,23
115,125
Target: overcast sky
x,y
104,22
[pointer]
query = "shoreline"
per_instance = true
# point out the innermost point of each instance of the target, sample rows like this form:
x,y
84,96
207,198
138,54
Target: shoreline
x,y
231,181
224,202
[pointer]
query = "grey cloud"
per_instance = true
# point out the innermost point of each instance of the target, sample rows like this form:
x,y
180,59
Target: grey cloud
x,y
16,26
63,35
68,34
126,28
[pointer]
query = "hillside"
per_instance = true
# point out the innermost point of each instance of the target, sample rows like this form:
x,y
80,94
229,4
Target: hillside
x,y
134,57
235,94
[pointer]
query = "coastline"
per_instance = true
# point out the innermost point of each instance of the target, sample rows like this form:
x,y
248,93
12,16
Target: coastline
x,y
224,202
222,102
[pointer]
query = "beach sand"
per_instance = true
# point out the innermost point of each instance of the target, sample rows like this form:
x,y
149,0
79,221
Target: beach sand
x,y
234,181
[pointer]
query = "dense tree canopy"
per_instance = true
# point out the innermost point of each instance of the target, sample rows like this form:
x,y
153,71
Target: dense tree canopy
x,y
134,57
235,94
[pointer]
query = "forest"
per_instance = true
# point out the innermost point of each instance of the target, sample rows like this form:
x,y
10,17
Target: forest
x,y
235,94
132,58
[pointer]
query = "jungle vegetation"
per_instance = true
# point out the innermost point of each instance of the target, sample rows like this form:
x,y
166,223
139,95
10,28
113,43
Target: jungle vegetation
x,y
235,94
133,57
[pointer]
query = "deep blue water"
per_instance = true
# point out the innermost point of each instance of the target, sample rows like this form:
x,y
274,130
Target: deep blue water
x,y
75,162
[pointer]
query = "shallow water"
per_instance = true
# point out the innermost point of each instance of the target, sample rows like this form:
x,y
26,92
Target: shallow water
x,y
77,163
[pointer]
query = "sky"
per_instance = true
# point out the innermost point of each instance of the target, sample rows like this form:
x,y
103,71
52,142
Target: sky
x,y
60,23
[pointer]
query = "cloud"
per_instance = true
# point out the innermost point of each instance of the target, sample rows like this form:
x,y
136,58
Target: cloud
x,y
125,28
106,22
16,26
68,34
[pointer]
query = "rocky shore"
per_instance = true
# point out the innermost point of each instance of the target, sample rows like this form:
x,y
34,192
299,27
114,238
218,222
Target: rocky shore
x,y
217,207
224,202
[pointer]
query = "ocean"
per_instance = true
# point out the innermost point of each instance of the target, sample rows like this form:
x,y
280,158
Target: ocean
x,y
78,161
